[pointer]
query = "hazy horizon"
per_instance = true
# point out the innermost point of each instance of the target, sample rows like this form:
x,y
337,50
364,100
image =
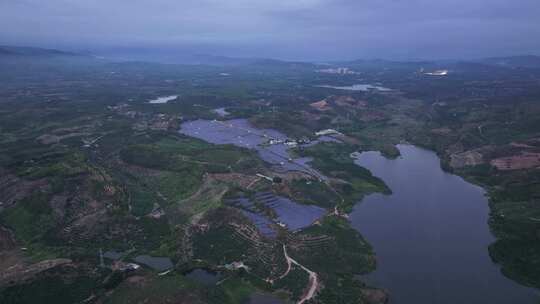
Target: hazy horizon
x,y
306,30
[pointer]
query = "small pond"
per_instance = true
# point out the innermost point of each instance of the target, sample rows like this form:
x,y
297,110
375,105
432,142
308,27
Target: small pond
x,y
156,263
204,276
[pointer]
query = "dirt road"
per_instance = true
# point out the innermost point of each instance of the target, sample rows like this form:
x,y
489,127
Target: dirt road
x,y
313,284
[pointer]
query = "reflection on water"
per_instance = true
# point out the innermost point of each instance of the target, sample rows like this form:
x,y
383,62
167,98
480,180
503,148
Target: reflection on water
x,y
431,235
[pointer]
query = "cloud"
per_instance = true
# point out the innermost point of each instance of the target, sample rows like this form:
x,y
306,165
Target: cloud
x,y
292,29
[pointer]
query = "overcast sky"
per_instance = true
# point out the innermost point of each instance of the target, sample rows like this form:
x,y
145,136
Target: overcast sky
x,y
287,29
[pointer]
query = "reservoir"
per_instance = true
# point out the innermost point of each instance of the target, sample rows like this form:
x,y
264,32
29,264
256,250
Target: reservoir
x,y
431,235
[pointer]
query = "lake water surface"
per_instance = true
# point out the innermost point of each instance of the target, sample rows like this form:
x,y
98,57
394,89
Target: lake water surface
x,y
157,263
431,235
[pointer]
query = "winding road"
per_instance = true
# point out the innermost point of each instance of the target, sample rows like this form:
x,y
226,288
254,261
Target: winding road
x,y
313,278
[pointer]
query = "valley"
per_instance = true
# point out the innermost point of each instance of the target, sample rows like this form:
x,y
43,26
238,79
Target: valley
x,y
131,182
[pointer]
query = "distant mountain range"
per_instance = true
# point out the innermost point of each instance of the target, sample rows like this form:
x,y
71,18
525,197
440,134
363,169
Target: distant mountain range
x,y
521,61
6,52
33,52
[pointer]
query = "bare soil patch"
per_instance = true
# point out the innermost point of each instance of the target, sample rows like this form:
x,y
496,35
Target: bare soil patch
x,y
525,160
